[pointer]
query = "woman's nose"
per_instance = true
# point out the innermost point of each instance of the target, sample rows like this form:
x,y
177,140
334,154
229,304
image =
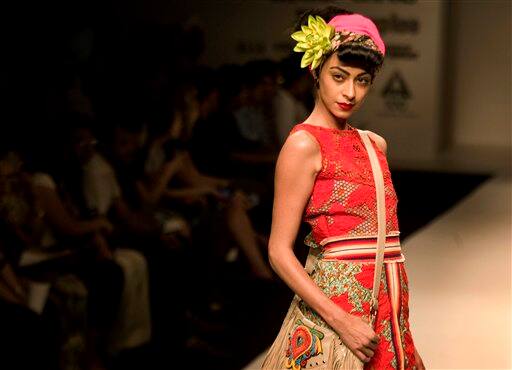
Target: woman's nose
x,y
349,91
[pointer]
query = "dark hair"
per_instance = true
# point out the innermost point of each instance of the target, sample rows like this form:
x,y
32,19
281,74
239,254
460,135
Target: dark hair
x,y
206,81
350,53
163,112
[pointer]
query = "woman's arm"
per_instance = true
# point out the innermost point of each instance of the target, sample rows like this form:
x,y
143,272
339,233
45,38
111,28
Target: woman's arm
x,y
191,176
181,193
297,167
137,222
152,191
12,288
61,220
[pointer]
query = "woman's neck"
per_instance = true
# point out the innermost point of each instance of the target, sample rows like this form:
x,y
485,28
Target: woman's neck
x,y
321,114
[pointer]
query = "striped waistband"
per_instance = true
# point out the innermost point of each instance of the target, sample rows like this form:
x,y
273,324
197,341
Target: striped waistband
x,y
361,249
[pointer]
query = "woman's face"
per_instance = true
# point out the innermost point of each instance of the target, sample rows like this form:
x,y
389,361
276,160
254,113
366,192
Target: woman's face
x,y
83,144
342,88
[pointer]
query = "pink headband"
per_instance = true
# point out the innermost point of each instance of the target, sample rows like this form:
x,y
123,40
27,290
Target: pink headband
x,y
358,24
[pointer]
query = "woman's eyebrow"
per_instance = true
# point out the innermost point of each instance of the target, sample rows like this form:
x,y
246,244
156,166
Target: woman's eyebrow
x,y
344,70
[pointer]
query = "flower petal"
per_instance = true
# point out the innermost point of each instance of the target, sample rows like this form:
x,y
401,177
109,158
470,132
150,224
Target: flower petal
x,y
321,20
306,29
309,53
299,36
305,61
315,63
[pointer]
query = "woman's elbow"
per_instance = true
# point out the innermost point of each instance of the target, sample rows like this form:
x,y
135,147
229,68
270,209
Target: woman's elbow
x,y
276,254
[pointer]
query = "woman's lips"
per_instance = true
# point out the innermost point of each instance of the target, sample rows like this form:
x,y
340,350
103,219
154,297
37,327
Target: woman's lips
x,y
345,106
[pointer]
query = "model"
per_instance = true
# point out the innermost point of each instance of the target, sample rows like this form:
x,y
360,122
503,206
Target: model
x,y
324,177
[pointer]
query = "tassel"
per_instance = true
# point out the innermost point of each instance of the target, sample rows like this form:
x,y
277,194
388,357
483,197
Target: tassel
x,y
340,357
276,355
343,358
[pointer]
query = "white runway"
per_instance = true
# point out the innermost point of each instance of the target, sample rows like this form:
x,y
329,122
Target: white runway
x,y
459,269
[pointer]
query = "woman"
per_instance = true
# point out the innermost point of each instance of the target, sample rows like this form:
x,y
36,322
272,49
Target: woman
x,y
116,278
169,165
323,172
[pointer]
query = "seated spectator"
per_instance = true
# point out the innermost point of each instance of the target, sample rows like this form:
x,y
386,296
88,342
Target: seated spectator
x,y
246,154
108,192
254,113
132,327
215,124
64,228
27,340
213,127
169,162
288,107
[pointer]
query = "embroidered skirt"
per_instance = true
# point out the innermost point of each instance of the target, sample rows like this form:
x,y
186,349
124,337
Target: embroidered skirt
x,y
349,285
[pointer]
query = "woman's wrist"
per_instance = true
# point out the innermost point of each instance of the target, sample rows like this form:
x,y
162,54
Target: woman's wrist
x,y
332,314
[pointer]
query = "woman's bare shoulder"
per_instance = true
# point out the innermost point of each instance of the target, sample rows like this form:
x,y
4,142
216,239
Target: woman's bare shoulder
x,y
301,146
302,140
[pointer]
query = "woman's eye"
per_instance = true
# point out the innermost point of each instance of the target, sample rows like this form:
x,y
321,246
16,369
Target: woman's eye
x,y
364,81
338,77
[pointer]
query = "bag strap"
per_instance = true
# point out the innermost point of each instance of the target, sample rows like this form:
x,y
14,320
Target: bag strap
x,y
381,222
381,215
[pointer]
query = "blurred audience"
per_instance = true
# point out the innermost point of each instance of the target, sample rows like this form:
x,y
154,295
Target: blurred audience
x,y
187,187
139,200
289,101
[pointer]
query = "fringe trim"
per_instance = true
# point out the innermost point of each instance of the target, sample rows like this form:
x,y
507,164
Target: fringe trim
x,y
343,358
276,354
339,357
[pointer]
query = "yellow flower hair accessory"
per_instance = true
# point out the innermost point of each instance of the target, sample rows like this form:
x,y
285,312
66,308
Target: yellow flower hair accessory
x,y
319,38
314,40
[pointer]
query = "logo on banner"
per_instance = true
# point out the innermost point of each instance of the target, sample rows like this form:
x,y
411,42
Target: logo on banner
x,y
396,93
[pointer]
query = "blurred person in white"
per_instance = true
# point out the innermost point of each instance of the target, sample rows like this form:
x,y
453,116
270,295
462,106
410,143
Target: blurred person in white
x,y
289,106
100,192
254,111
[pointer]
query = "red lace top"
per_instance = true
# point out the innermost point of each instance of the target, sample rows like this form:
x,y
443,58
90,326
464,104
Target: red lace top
x,y
343,200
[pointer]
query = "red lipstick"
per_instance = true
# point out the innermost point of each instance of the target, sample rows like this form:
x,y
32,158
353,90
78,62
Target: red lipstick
x,y
345,106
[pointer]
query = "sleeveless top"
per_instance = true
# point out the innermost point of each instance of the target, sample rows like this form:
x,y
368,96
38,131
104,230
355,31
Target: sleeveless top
x,y
343,201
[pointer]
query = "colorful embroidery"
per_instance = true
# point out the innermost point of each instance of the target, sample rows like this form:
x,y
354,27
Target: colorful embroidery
x,y
304,343
312,315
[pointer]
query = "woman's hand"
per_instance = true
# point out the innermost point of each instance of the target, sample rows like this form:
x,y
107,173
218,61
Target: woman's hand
x,y
175,164
103,225
419,362
102,247
241,198
198,194
357,335
177,225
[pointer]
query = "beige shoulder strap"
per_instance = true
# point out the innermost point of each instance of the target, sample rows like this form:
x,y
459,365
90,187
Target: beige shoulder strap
x,y
381,220
381,213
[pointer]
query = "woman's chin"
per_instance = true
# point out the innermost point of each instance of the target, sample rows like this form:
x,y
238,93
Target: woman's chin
x,y
343,115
